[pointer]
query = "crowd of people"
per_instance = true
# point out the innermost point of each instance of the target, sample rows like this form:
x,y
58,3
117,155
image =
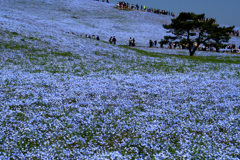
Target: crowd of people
x,y
203,47
93,37
233,48
124,5
235,33
172,45
104,1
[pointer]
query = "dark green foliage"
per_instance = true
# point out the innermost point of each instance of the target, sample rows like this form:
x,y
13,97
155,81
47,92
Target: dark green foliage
x,y
14,33
194,29
219,35
64,54
200,59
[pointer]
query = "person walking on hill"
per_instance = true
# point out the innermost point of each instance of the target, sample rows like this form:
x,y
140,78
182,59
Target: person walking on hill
x,y
114,40
130,41
150,43
137,7
133,42
110,40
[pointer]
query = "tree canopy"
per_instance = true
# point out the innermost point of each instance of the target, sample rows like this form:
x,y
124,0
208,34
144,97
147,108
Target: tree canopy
x,y
194,29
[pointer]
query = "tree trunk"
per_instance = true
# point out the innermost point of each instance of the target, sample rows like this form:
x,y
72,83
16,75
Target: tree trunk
x,y
192,51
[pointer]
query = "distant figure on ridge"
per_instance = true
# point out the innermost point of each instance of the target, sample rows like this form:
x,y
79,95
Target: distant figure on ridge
x,y
130,41
133,42
137,7
114,40
110,40
150,43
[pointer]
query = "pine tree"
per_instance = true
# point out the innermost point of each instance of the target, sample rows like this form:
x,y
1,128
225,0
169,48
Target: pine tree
x,y
194,29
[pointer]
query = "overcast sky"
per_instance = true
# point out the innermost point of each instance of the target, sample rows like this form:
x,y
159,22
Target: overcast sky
x,y
224,11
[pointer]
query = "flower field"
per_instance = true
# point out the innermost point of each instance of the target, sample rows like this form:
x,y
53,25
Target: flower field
x,y
64,96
